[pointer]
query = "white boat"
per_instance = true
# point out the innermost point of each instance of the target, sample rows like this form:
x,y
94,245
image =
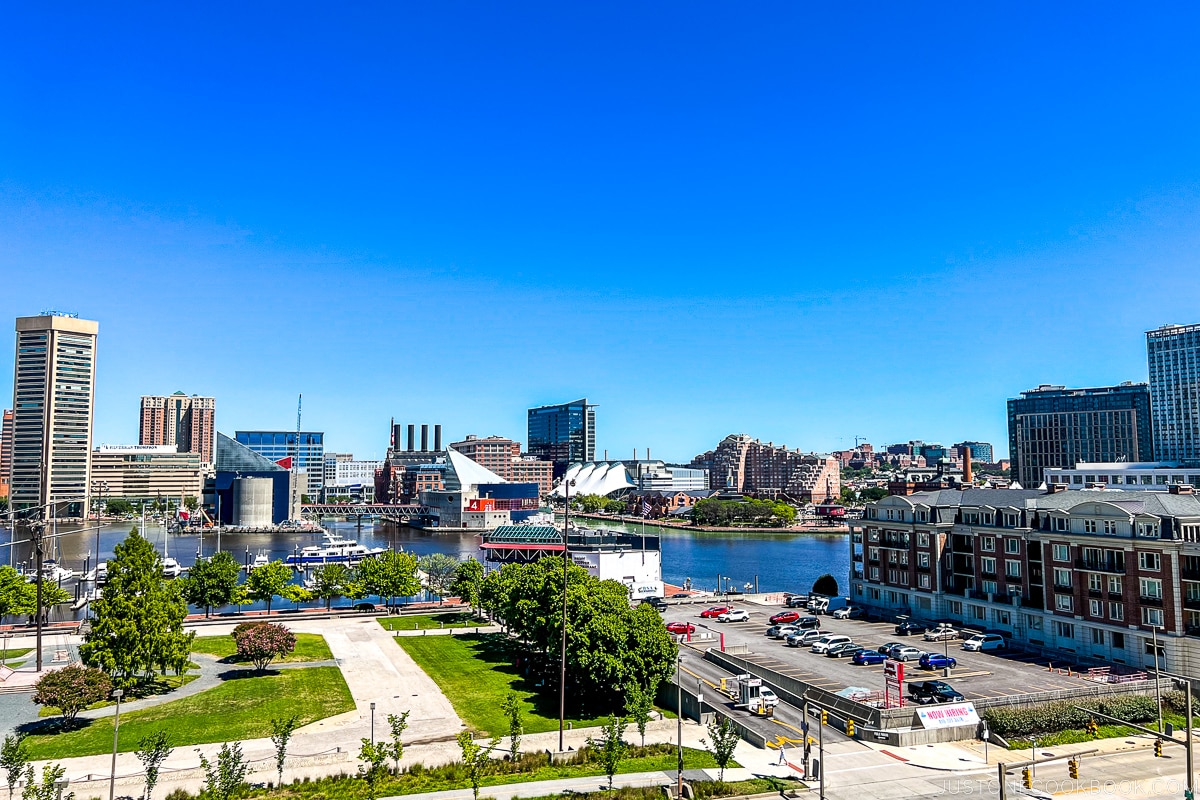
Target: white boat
x,y
171,568
101,576
335,550
261,559
55,572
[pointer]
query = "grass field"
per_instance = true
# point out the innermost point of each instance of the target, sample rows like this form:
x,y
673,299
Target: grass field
x,y
309,647
451,619
475,672
160,685
240,708
16,655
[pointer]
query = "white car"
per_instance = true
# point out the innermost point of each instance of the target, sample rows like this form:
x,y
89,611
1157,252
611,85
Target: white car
x,y
737,615
984,641
827,641
767,698
849,612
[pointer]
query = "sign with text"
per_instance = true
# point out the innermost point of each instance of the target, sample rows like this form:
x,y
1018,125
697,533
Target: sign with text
x,y
948,716
893,684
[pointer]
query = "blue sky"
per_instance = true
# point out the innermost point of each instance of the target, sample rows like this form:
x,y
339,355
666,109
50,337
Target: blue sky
x,y
804,222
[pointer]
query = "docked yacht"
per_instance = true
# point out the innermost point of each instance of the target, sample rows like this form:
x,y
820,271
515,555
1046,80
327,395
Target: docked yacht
x,y
171,568
56,573
261,559
335,550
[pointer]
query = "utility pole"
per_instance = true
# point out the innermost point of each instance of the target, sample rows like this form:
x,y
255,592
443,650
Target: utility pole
x,y
562,678
36,535
821,751
679,724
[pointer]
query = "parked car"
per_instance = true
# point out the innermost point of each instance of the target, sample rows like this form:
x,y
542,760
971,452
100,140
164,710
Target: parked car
x,y
868,657
815,600
657,603
804,623
681,627
843,650
783,631
941,633
768,698
889,648
925,692
909,627
737,615
906,653
784,617
834,604
849,612
803,638
827,641
937,661
681,595
985,641
713,612
797,601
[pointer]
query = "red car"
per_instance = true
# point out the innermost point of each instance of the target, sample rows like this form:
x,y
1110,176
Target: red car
x,y
681,627
714,612
784,617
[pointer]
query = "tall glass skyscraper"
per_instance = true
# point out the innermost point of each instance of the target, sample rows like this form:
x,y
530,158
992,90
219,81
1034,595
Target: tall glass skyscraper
x,y
1173,357
564,434
54,379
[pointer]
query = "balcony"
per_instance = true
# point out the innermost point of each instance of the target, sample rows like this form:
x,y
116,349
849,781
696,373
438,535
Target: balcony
x,y
1157,602
1117,568
1192,603
1189,574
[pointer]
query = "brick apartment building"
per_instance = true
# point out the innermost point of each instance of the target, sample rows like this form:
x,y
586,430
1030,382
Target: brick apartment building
x,y
1085,574
503,457
745,465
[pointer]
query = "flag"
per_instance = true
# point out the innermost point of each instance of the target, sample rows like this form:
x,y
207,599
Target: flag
x,y
645,508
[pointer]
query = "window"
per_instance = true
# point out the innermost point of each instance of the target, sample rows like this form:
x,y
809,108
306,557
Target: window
x,y
923,581
1063,602
1115,585
1118,640
989,587
1097,635
978,612
987,544
1012,546
874,573
1010,521
1012,569
988,565
1149,562
1002,617
1152,616
1095,582
1149,529
1060,523
1062,577
1089,526
873,535
1151,587
1116,612
1096,608
904,559
1110,526
893,556
1033,622
1064,630
873,553
858,589
923,560
922,540
893,576
956,607
1062,552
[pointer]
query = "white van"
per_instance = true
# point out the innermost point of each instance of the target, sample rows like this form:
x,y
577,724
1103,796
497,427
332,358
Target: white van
x,y
827,641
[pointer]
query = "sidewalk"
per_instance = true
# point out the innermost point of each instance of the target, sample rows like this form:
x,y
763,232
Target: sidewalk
x,y
964,756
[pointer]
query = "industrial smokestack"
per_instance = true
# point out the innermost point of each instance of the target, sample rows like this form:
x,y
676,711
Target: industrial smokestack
x,y
392,429
606,455
424,438
412,438
967,466
437,437
635,454
647,453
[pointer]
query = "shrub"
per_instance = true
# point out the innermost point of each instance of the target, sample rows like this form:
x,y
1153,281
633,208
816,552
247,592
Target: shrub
x,y
179,794
1063,715
242,627
263,643
72,689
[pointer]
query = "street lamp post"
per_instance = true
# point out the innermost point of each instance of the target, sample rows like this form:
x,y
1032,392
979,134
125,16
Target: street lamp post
x,y
112,775
1157,690
562,678
679,724
372,723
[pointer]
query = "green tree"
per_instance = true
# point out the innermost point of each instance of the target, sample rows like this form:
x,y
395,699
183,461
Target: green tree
x,y
72,689
468,582
152,750
13,758
725,737
281,733
511,706
390,575
826,585
476,758
225,779
211,581
849,497
118,507
330,582
138,620
439,570
19,596
397,723
374,764
296,594
266,582
47,789
639,703
191,503
611,747
874,493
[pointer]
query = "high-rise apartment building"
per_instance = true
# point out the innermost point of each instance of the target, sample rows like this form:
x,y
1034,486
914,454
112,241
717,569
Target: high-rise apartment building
x,y
6,453
188,422
309,452
1053,426
563,434
1173,357
742,464
53,393
980,451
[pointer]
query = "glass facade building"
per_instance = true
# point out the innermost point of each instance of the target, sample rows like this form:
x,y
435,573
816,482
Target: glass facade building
x,y
278,445
1173,358
1053,426
563,434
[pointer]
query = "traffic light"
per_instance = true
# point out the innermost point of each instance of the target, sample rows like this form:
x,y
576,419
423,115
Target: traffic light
x,y
850,727
1092,728
1027,778
1073,768
1158,748
824,717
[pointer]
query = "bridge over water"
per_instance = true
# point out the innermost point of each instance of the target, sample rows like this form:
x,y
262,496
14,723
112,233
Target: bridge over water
x,y
386,510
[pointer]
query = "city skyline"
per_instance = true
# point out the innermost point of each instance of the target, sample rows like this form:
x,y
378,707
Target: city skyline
x,y
805,234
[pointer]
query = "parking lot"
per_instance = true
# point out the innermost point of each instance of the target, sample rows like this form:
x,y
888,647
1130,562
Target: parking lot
x,y
976,676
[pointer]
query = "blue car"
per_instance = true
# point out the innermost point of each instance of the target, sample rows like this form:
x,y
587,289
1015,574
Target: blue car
x,y
937,661
868,657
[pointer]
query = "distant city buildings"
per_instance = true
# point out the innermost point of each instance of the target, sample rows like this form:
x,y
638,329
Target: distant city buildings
x,y
1173,358
349,480
1127,476
745,465
563,434
6,433
980,451
187,422
503,457
408,469
146,472
53,397
249,489
279,446
1053,426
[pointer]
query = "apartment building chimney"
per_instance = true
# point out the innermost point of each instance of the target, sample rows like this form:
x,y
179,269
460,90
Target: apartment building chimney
x,y
967,466
412,438
437,437
424,438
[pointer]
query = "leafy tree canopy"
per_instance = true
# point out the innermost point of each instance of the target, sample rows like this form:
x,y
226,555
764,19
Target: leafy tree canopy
x,y
210,582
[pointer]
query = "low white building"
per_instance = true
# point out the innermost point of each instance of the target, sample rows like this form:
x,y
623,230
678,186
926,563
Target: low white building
x,y
1145,476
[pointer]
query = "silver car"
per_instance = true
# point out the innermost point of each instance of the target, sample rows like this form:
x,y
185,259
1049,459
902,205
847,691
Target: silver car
x,y
802,638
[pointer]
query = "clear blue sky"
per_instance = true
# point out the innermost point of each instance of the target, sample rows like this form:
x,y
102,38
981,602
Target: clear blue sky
x,y
801,221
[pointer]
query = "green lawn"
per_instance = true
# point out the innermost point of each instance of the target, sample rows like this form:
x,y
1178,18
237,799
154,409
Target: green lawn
x,y
475,672
16,655
160,685
451,619
240,708
309,647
